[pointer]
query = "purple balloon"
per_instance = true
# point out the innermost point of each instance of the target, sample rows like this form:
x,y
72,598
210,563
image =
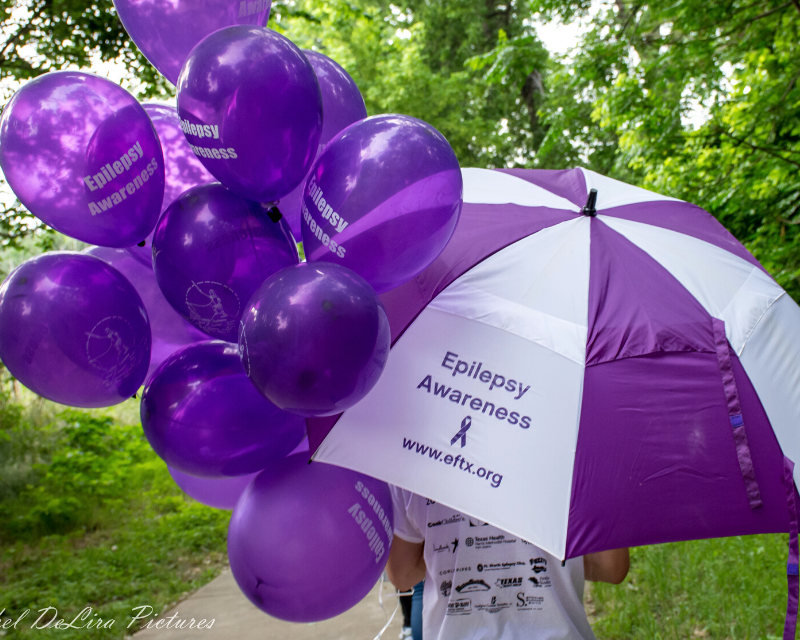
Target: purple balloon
x,y
167,30
219,493
82,155
211,250
383,199
251,107
342,105
314,339
182,168
170,332
306,542
202,416
74,330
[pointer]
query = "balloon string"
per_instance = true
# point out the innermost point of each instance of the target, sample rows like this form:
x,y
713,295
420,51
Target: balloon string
x,y
380,601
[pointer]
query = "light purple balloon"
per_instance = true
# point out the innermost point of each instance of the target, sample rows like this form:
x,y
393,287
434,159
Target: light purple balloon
x,y
251,107
342,105
211,250
306,542
170,332
74,330
219,493
202,416
315,339
166,30
82,155
182,168
383,199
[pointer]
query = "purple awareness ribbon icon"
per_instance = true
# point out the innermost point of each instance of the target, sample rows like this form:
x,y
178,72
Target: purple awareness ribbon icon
x,y
466,423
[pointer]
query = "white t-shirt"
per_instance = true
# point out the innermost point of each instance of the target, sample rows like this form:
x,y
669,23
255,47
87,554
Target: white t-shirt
x,y
484,584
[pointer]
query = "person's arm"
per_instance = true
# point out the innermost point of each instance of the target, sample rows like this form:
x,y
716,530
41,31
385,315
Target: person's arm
x,y
606,566
406,564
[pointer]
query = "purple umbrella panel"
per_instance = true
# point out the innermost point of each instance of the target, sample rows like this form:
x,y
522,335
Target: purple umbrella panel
x,y
585,377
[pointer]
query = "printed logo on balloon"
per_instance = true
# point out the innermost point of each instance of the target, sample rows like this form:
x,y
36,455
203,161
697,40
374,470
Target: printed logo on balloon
x,y
213,307
211,250
83,342
111,348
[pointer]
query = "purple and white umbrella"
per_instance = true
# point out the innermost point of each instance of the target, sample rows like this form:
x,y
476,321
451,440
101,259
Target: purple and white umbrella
x,y
585,377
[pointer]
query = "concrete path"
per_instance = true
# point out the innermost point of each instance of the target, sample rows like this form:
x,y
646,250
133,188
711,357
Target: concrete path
x,y
235,618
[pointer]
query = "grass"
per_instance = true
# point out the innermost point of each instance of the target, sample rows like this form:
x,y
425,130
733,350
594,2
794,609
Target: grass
x,y
726,589
89,517
149,561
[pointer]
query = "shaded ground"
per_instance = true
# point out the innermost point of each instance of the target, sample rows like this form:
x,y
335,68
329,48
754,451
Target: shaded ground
x,y
235,618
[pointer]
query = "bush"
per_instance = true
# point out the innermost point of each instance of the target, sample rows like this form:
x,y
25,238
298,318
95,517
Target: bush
x,y
95,468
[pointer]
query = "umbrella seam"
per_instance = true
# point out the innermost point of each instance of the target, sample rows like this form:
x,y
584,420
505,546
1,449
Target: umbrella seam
x,y
489,324
757,322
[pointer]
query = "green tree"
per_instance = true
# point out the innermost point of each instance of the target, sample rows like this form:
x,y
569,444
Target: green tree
x,y
643,74
426,59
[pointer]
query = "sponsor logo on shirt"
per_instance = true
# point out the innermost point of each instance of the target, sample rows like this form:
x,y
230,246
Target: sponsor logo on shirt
x,y
460,607
493,606
544,581
472,585
538,565
505,583
452,520
500,566
486,542
446,587
528,603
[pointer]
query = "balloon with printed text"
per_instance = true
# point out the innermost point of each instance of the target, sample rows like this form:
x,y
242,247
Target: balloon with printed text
x,y
342,105
202,416
314,339
82,155
169,331
250,107
211,250
307,542
167,30
383,199
182,169
74,330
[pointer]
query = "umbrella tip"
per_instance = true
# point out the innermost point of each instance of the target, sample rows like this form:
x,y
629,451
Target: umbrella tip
x,y
591,201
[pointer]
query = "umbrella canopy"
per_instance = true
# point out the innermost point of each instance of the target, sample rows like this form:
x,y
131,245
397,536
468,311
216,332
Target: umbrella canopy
x,y
585,372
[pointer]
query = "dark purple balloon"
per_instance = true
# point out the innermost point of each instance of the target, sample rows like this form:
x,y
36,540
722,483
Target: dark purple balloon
x,y
74,330
170,332
82,155
383,199
314,339
211,250
166,30
306,542
251,107
182,168
219,493
202,416
342,105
